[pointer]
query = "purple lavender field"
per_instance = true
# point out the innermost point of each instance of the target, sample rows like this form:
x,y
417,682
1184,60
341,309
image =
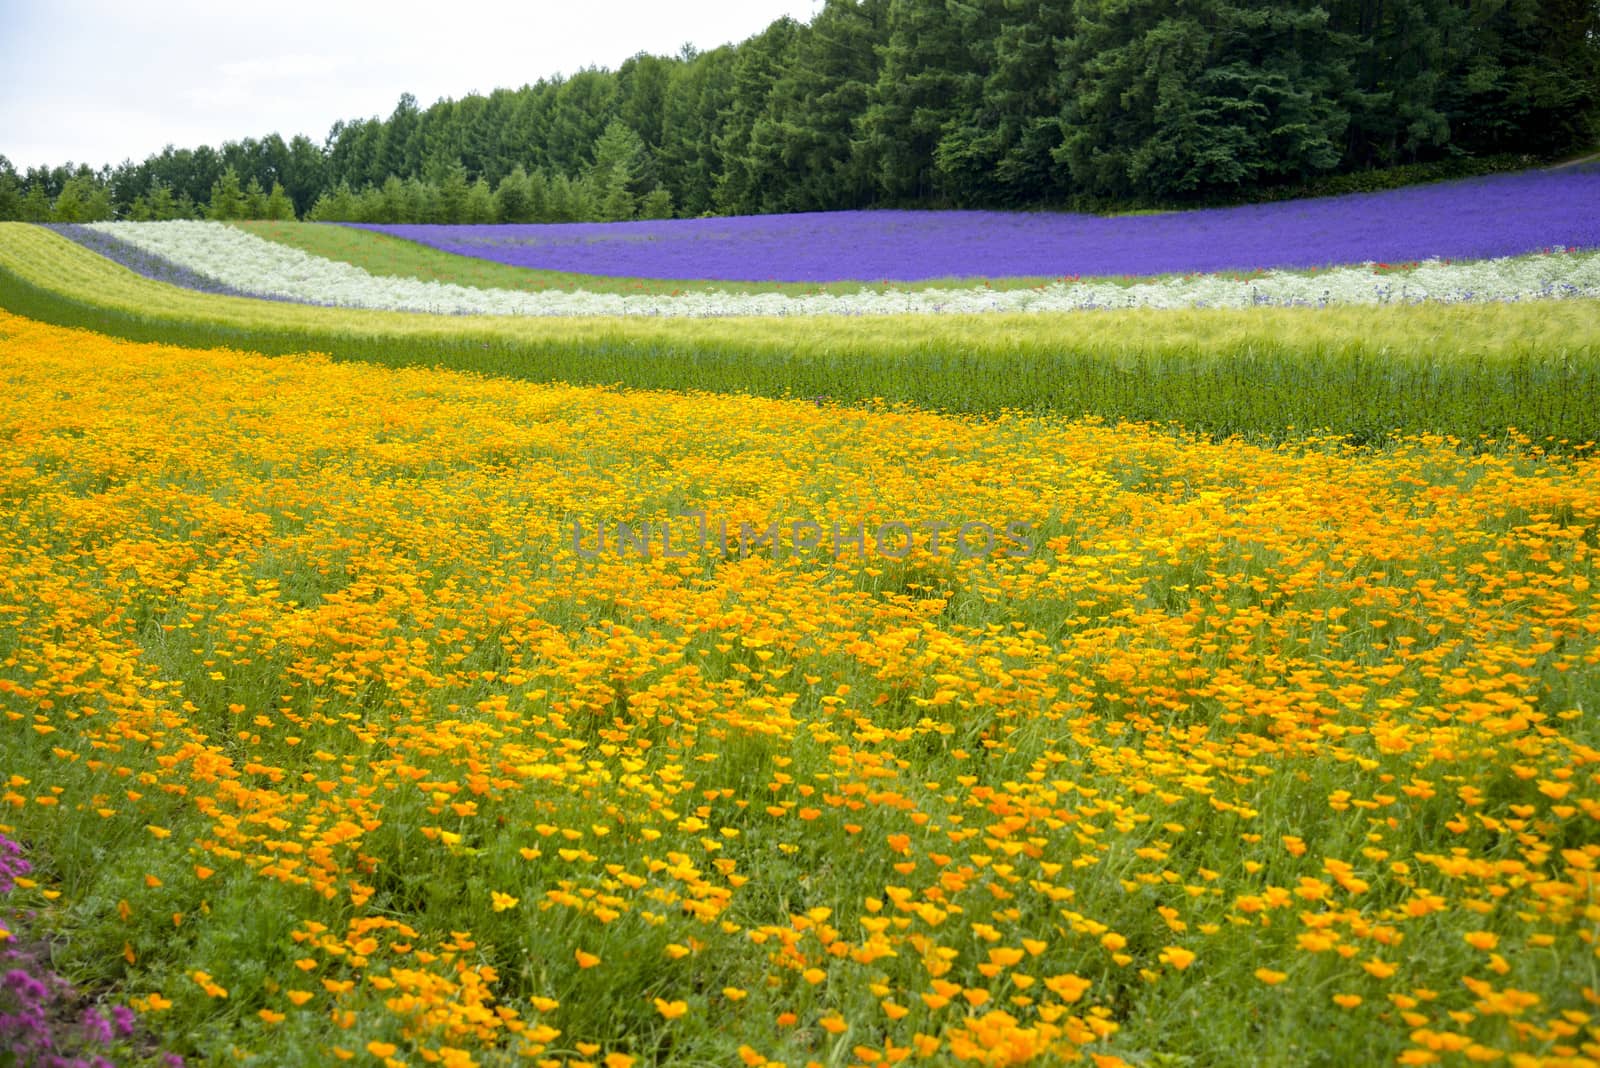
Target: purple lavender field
x,y
1479,218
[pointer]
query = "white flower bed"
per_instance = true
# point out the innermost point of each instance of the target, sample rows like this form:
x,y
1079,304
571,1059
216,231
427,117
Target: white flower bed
x,y
246,262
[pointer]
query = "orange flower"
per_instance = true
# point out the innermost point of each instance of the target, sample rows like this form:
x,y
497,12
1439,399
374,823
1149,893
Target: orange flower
x,y
1178,957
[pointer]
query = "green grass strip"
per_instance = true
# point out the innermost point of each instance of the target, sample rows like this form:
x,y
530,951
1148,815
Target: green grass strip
x,y
1464,370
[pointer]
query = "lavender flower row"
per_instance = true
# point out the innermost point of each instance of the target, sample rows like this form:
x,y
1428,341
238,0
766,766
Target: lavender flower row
x,y
1483,218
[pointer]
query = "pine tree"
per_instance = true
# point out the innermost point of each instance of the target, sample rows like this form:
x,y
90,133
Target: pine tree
x,y
757,66
336,205
511,197
371,207
97,204
479,206
621,153
255,201
1217,96
35,204
227,198
616,202
68,206
806,150
995,147
81,199
390,204
453,194
162,206
278,205
10,192
538,209
421,201
929,74
657,204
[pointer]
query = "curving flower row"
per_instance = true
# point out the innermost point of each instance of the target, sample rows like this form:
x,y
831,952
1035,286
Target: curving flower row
x,y
1473,219
238,261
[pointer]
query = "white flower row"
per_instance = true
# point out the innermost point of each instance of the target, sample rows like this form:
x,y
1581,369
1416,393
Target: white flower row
x,y
252,264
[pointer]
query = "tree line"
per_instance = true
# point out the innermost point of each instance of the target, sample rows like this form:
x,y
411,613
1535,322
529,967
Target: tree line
x,y
948,103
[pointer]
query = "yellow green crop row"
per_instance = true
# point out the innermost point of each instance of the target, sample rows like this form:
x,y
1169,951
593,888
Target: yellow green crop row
x,y
1466,370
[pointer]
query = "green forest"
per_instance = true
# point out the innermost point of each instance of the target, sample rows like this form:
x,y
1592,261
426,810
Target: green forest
x,y
919,103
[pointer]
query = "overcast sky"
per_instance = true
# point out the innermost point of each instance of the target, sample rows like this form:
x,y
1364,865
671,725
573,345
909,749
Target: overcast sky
x,y
100,81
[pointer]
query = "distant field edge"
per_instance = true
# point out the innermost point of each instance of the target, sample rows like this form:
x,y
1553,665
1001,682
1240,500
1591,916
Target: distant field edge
x,y
1472,372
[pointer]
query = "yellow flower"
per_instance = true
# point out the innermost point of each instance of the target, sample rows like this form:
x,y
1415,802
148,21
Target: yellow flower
x,y
1068,988
1178,957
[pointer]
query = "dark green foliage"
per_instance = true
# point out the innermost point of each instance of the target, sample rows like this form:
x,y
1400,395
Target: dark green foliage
x,y
227,200
960,103
255,201
452,197
623,169
931,75
1530,84
806,150
335,205
758,64
10,192
693,120
996,144
81,200
1219,96
657,204
35,205
156,206
278,205
479,207
513,198
616,202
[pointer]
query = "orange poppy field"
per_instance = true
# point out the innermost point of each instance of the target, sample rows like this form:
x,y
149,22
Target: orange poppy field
x,y
333,735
